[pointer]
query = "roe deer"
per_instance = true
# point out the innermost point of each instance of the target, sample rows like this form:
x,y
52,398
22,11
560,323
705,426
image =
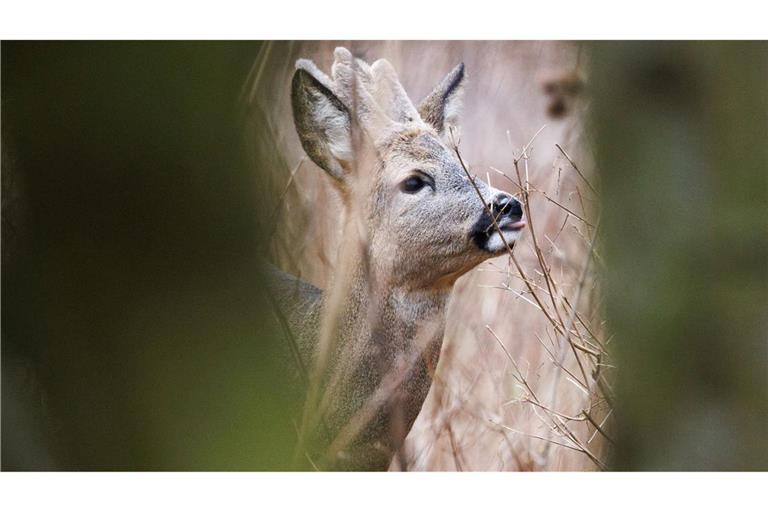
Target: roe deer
x,y
421,224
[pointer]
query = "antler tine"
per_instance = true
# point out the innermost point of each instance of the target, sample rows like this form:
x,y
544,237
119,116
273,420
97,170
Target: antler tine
x,y
354,84
390,91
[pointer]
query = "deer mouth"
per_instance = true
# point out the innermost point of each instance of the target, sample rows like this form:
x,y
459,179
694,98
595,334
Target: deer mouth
x,y
516,225
493,237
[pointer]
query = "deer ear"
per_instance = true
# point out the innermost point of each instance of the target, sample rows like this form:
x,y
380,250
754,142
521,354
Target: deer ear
x,y
322,121
441,108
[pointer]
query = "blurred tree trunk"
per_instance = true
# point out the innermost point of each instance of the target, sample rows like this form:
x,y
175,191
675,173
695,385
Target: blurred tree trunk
x,y
680,137
136,331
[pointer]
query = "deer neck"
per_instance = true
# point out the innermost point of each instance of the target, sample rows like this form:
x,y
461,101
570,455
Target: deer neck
x,y
389,344
394,318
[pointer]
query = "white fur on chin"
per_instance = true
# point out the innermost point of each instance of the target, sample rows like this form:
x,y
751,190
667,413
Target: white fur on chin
x,y
495,243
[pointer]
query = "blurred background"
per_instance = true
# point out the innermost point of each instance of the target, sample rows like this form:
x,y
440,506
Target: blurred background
x,y
143,184
135,333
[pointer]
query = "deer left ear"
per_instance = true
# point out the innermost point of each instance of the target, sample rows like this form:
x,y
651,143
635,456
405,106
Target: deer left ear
x,y
441,108
322,121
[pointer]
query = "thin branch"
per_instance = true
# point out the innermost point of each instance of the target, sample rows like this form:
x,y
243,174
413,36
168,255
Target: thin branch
x,y
576,168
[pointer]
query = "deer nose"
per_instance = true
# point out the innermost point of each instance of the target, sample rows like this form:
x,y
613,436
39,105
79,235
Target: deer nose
x,y
505,205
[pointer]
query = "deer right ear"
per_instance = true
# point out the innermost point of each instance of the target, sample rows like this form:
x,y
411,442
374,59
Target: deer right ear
x,y
322,121
441,108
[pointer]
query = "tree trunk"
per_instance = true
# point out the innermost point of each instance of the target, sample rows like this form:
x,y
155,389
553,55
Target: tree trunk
x,y
680,137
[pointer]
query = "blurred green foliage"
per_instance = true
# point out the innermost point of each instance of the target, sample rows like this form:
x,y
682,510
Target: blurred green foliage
x,y
680,136
135,329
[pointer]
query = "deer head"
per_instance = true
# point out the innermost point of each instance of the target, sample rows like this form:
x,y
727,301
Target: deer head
x,y
427,225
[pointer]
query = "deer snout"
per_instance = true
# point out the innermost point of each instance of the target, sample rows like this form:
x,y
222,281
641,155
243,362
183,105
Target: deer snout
x,y
507,211
506,205
500,224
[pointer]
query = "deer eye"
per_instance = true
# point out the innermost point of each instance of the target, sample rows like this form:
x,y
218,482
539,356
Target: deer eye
x,y
413,184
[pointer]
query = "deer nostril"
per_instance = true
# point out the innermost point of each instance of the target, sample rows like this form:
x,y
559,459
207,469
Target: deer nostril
x,y
506,205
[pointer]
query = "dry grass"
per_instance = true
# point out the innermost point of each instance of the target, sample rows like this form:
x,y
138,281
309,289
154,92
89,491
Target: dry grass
x,y
521,383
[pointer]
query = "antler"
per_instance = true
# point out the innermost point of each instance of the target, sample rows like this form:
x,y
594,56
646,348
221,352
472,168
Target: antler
x,y
390,93
373,91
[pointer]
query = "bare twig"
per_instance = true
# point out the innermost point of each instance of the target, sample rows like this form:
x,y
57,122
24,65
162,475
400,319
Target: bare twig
x,y
576,168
